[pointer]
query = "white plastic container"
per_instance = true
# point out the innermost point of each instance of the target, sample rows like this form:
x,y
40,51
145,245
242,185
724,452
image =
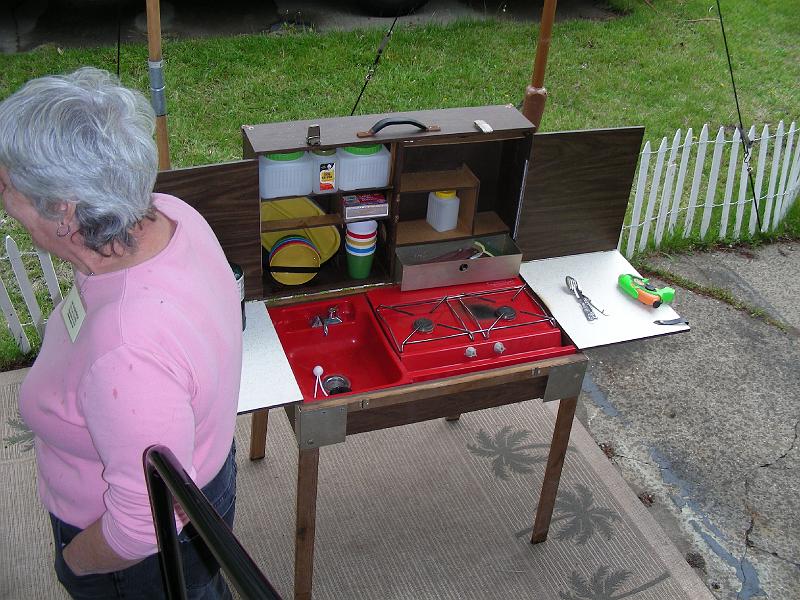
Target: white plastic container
x,y
323,171
443,210
284,174
363,167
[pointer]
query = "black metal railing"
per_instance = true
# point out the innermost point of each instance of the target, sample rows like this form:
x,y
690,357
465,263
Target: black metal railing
x,y
167,480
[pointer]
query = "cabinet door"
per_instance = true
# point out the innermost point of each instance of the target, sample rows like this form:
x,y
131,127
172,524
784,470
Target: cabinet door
x,y
226,194
576,191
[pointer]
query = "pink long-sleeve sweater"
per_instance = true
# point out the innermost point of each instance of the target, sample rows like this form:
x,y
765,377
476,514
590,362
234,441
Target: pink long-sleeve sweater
x,y
157,360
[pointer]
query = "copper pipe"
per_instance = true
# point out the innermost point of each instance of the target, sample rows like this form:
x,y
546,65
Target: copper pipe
x,y
535,93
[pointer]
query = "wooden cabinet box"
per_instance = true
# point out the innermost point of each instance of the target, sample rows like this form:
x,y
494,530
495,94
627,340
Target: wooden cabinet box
x,y
553,193
486,170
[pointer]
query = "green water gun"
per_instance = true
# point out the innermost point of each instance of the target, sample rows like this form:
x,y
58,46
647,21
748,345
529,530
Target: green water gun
x,y
644,291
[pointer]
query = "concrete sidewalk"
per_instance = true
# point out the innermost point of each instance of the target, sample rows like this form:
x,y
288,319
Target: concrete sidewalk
x,y
707,422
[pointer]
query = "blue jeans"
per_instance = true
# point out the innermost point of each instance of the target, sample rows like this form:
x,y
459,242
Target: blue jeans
x,y
143,580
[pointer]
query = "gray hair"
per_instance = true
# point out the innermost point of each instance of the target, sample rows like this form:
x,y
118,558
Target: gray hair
x,y
82,138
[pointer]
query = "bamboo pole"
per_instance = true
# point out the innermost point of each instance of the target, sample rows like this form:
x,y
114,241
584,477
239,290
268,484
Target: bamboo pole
x,y
535,93
157,96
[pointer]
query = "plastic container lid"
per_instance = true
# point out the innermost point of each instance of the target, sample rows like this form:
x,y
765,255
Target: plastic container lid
x,y
363,150
284,156
445,194
330,152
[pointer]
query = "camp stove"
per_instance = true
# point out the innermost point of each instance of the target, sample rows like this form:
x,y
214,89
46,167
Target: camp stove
x,y
449,330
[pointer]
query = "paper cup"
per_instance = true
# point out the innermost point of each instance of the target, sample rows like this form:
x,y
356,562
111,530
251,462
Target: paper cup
x,y
359,265
360,251
360,243
360,228
362,236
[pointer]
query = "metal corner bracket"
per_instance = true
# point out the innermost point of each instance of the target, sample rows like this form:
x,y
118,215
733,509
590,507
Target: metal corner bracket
x,y
565,381
320,427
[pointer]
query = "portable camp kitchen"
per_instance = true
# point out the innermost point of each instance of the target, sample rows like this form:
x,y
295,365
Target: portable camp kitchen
x,y
550,205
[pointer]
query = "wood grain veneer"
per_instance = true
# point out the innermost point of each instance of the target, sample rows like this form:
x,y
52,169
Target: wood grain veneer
x,y
577,191
444,406
226,195
341,131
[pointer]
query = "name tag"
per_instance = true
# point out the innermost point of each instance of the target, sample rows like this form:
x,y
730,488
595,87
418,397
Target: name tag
x,y
73,312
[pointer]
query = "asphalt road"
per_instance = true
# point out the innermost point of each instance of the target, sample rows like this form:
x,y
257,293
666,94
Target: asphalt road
x,y
705,424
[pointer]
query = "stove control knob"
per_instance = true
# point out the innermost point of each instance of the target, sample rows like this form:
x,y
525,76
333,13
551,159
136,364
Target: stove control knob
x,y
499,348
470,352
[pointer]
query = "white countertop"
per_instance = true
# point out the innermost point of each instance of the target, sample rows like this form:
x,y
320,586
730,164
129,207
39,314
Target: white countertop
x,y
267,378
596,273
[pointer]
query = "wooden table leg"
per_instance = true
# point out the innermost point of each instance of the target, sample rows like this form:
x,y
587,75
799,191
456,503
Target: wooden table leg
x,y
307,471
552,474
258,433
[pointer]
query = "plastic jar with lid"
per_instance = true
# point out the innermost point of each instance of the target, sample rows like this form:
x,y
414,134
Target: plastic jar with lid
x,y
443,210
363,167
323,171
284,174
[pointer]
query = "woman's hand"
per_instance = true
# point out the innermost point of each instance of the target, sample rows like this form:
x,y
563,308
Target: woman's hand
x,y
89,553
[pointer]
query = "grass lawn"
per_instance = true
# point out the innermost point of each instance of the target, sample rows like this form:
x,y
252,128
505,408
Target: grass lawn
x,y
660,64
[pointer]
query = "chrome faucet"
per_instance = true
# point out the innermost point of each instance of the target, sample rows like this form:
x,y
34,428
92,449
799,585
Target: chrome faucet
x,y
324,322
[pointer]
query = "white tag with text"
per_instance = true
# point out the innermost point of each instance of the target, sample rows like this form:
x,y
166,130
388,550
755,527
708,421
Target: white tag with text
x,y
73,312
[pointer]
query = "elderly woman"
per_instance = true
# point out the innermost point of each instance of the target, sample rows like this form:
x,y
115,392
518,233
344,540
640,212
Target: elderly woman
x,y
145,349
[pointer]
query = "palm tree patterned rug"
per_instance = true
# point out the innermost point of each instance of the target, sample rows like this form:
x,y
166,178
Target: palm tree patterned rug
x,y
438,510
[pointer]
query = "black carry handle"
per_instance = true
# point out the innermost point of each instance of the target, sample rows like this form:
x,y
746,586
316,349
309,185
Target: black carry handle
x,y
396,121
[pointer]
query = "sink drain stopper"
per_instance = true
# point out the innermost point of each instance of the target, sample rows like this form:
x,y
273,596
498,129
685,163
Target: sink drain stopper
x,y
336,384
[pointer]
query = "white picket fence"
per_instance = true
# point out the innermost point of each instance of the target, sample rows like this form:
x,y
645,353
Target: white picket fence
x,y
668,212
38,318
662,210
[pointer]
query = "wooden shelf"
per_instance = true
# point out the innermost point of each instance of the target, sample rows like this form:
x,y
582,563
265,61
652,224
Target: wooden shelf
x,y
333,217
301,223
429,181
383,190
386,189
420,232
489,223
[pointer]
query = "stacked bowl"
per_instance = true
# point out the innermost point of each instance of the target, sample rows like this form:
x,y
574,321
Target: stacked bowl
x,y
360,243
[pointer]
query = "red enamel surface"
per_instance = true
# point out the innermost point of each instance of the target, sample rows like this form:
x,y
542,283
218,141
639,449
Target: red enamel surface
x,y
377,346
355,348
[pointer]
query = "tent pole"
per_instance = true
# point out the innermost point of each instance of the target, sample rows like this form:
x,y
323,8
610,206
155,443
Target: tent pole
x,y
157,96
535,93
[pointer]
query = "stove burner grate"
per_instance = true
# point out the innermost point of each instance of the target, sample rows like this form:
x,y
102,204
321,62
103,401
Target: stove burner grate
x,y
478,306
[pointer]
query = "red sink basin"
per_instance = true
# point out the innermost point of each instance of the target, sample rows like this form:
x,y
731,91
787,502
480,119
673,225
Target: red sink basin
x,y
355,348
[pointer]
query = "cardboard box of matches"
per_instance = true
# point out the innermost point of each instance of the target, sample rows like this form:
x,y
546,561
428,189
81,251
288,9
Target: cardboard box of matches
x,y
360,206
